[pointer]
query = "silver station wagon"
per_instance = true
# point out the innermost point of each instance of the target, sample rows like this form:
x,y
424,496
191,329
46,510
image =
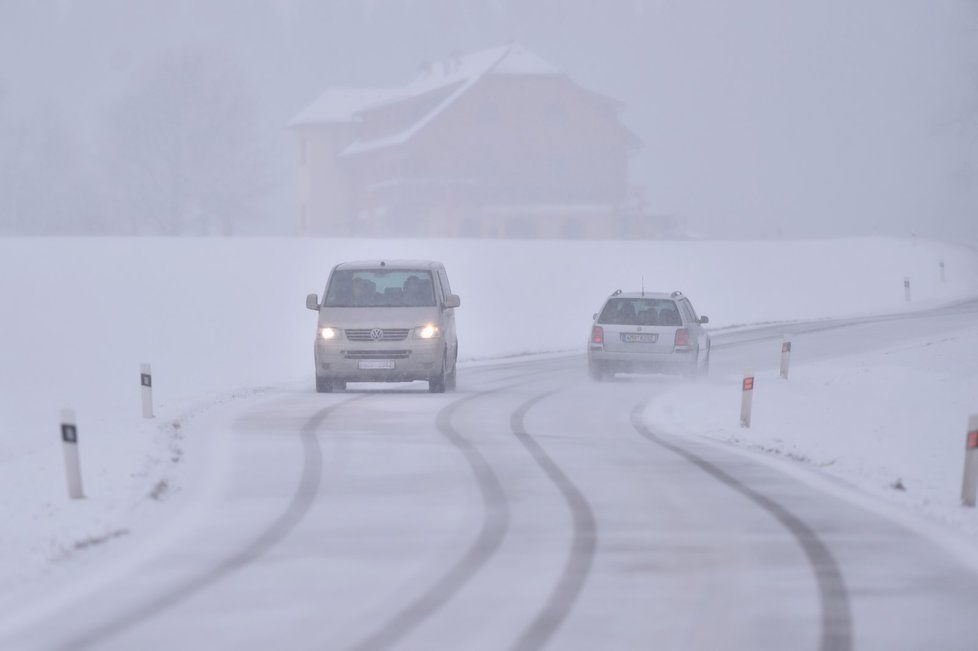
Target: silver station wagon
x,y
645,332
386,321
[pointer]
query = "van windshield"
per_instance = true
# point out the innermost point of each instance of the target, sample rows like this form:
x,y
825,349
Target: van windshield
x,y
641,312
380,288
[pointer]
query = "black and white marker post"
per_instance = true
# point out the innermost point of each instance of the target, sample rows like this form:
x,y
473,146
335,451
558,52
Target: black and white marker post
x,y
785,356
745,401
943,273
906,289
146,380
970,483
69,439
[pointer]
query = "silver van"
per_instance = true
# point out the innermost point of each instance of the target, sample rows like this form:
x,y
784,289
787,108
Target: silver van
x,y
386,321
646,332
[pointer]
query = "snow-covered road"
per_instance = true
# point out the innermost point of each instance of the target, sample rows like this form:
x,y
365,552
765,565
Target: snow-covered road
x,y
531,509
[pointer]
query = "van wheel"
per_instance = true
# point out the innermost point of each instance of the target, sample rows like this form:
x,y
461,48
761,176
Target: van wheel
x,y
323,384
438,383
452,380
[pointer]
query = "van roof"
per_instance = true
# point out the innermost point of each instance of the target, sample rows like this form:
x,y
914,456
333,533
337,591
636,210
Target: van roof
x,y
390,264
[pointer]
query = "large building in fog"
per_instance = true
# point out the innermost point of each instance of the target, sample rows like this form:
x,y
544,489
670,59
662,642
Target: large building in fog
x,y
494,144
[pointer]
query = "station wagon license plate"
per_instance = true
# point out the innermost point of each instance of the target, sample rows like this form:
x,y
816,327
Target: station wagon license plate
x,y
376,364
639,337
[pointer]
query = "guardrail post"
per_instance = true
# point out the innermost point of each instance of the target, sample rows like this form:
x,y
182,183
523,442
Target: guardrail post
x,y
906,289
745,402
785,356
970,483
146,381
69,440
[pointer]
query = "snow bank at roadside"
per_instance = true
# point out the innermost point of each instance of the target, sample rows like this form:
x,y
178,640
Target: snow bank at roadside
x,y
892,422
213,315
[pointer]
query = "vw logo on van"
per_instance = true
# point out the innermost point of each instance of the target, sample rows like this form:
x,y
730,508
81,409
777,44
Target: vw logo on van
x,y
376,334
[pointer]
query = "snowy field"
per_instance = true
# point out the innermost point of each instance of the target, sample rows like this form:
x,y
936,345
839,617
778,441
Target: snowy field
x,y
891,421
215,324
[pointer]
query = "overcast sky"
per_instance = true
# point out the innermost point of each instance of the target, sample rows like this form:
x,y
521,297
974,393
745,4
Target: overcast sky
x,y
758,117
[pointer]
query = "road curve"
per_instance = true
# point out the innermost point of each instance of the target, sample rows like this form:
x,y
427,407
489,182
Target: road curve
x,y
399,519
836,627
293,513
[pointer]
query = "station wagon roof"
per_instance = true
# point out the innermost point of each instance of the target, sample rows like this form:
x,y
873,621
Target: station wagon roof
x,y
659,295
390,264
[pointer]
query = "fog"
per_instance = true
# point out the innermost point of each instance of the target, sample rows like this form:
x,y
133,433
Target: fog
x,y
757,119
663,332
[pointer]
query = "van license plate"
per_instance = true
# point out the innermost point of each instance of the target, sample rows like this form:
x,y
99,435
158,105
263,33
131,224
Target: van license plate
x,y
376,364
639,337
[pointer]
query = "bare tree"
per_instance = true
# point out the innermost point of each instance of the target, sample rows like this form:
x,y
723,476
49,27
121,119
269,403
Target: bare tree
x,y
182,150
45,177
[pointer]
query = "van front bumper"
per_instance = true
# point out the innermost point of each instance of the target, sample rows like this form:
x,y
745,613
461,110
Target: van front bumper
x,y
410,360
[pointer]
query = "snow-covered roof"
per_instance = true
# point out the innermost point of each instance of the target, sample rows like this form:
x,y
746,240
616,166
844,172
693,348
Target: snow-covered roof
x,y
343,105
340,105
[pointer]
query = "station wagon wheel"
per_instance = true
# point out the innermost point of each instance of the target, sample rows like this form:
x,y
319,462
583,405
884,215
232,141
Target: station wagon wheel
x,y
597,372
705,369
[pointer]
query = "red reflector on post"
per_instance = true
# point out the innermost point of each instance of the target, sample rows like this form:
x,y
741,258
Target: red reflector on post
x,y
682,337
972,440
597,335
748,384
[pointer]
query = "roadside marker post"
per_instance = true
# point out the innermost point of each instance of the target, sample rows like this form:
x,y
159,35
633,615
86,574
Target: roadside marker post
x,y
943,273
69,440
970,483
906,289
146,381
745,401
785,357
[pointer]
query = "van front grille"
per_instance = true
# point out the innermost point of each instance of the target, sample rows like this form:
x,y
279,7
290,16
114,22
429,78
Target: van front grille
x,y
377,334
376,354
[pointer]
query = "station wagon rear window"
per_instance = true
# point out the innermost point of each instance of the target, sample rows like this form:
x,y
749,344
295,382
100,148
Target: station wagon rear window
x,y
641,312
380,288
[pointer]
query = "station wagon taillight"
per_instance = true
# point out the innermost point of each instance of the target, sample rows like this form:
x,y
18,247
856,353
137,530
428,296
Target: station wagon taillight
x,y
597,335
682,337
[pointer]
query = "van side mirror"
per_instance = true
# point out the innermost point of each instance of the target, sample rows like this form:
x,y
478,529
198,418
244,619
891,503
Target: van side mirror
x,y
312,302
594,317
704,320
452,301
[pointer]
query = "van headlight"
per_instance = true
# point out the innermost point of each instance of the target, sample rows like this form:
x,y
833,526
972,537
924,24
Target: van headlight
x,y
426,332
328,333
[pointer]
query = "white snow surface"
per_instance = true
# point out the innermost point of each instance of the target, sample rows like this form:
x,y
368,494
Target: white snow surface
x,y
219,318
892,422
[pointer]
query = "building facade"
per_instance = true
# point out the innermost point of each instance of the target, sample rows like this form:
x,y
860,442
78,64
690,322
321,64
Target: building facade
x,y
494,144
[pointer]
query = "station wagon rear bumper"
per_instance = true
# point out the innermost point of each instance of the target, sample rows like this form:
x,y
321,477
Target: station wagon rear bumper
x,y
618,362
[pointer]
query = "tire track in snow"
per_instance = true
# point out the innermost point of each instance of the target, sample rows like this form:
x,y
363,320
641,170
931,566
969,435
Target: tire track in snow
x,y
583,542
836,620
495,523
298,507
